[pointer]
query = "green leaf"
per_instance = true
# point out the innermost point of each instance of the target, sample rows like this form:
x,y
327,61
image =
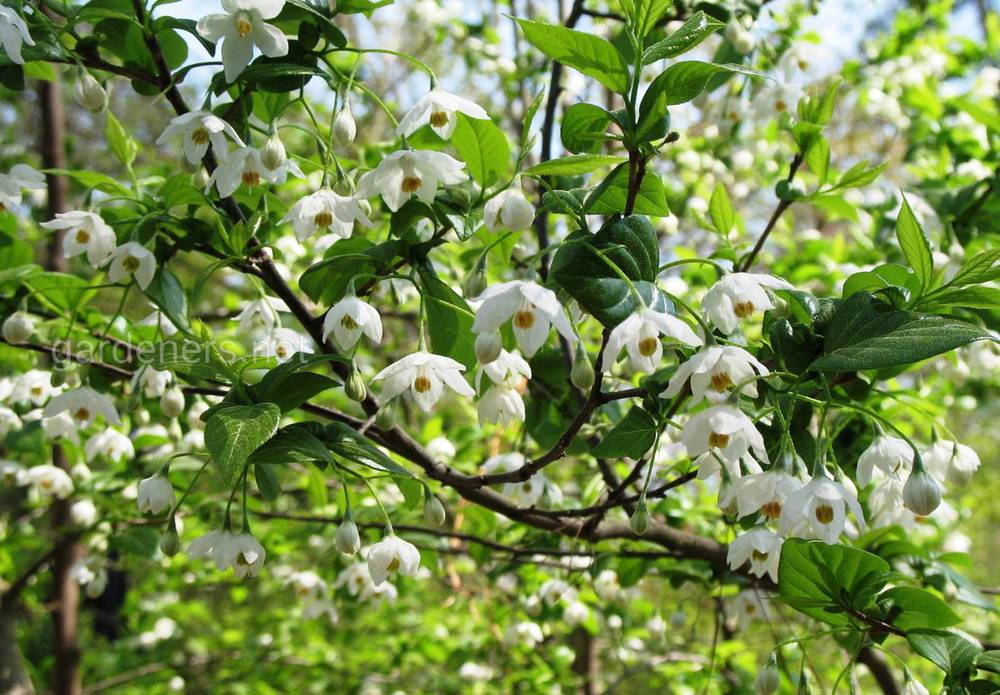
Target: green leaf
x,y
267,481
967,297
288,387
646,13
720,210
574,165
292,444
590,54
167,293
449,319
124,146
483,147
197,360
325,282
93,179
860,175
982,267
880,277
611,196
632,436
866,333
989,661
682,82
825,581
582,128
343,440
953,652
695,30
914,608
916,248
60,292
234,432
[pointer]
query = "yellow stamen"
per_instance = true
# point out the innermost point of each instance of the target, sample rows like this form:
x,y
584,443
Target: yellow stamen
x,y
647,346
199,136
717,441
524,319
82,414
411,184
323,219
772,510
439,119
824,514
82,236
743,309
721,381
421,384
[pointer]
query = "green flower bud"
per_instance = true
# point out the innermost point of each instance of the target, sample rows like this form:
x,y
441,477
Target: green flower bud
x,y
170,542
488,347
434,512
475,282
385,418
347,540
355,386
640,520
582,374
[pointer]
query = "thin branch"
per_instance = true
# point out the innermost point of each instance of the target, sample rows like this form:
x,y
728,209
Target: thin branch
x,y
778,212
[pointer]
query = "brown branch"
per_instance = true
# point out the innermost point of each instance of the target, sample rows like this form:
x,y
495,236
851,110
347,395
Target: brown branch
x,y
775,216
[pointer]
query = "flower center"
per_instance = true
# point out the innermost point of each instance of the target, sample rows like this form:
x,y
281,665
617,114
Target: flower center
x,y
243,24
824,514
759,556
131,263
82,236
717,441
251,177
348,323
772,509
199,136
241,560
46,483
721,381
393,564
526,487
36,391
743,309
439,118
323,219
524,319
281,351
780,106
82,414
750,609
421,384
411,184
647,346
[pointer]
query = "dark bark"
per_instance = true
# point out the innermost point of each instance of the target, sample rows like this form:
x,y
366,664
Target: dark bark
x,y
585,662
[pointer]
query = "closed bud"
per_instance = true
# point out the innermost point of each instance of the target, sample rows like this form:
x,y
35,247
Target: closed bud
x,y
347,539
434,513
252,376
344,127
488,347
200,179
768,679
170,542
58,375
921,494
273,155
582,374
18,327
90,94
355,387
640,520
475,282
172,402
385,418
134,401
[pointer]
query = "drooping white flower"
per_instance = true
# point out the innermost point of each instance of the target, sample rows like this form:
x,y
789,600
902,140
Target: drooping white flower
x,y
714,371
425,375
18,327
34,386
8,421
501,405
640,335
410,172
819,510
84,405
243,27
91,575
12,473
83,513
260,316
392,554
348,319
921,493
86,232
508,210
760,547
912,686
155,495
132,260
282,344
159,319
355,578
245,166
48,481
526,634
750,605
737,296
724,431
13,33
760,492
891,455
62,426
240,551
606,585
552,591
508,369
200,129
153,382
326,210
526,493
951,462
21,176
438,108
532,308
111,444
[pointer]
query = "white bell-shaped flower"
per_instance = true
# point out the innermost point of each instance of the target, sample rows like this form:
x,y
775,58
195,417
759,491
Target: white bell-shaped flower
x,y
640,335
410,172
724,431
348,319
392,554
21,176
13,34
439,108
739,295
329,211
760,547
714,372
156,494
199,130
83,405
425,375
891,455
532,309
242,28
819,510
508,209
86,232
132,260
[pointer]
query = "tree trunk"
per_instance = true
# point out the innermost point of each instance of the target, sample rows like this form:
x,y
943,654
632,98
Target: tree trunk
x,y
585,661
66,669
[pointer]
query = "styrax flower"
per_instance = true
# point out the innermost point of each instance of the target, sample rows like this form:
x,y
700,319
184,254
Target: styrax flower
x,y
349,318
410,172
760,492
13,33
240,551
86,233
739,295
714,372
156,494
425,375
533,308
640,335
392,554
111,444
952,462
245,166
241,28
438,108
761,548
891,455
727,432
84,405
47,480
200,129
21,176
508,210
326,210
819,510
260,316
134,260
